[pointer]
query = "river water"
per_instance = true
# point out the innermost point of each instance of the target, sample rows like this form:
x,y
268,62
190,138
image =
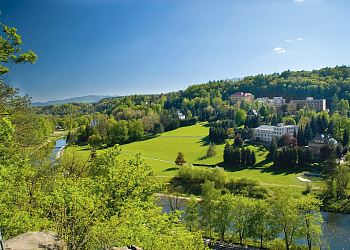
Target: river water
x,y
59,144
336,227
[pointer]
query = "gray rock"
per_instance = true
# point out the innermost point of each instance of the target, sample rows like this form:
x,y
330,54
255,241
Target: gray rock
x,y
36,241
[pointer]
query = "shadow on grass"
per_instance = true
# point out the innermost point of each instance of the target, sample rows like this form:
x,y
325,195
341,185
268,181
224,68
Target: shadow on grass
x,y
205,141
171,169
273,169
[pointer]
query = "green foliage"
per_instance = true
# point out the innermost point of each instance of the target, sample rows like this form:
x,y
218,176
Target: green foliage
x,y
211,150
10,50
180,159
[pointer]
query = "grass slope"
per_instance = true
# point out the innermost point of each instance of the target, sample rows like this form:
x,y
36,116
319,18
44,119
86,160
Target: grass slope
x,y
160,152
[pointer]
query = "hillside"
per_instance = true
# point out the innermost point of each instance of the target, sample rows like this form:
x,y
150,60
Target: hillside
x,y
81,99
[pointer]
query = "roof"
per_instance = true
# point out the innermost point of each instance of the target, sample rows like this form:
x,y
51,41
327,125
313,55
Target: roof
x,y
324,138
253,112
271,127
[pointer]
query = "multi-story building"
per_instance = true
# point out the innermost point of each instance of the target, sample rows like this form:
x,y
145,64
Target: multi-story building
x,y
276,100
267,132
240,96
319,104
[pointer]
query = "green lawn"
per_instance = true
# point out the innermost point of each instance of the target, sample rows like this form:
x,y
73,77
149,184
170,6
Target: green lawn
x,y
160,152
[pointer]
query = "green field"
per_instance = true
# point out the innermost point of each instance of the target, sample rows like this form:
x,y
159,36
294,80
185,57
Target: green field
x,y
160,152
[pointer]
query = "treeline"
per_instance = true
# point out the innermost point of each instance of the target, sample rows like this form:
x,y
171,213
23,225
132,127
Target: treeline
x,y
237,218
190,179
211,101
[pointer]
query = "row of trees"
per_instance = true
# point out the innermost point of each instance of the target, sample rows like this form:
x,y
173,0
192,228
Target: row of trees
x,y
236,156
229,217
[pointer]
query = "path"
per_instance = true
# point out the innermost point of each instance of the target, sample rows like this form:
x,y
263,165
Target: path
x,y
149,157
264,184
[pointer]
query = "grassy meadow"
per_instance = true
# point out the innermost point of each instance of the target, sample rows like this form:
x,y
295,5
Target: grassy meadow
x,y
161,151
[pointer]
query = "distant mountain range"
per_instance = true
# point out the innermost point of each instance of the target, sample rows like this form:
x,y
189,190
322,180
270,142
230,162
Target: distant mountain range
x,y
82,99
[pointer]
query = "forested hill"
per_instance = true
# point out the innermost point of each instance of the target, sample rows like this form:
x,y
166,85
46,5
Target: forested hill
x,y
323,83
327,83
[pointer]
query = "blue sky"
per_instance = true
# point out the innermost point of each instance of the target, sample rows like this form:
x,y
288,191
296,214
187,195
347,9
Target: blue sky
x,y
123,47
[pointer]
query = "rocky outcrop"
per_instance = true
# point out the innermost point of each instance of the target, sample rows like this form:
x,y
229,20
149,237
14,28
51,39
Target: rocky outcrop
x,y
36,241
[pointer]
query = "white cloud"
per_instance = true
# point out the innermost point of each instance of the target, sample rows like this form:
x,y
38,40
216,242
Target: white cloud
x,y
281,51
299,0
277,49
300,39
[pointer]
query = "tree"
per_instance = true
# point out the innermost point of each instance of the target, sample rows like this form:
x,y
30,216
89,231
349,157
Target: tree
x,y
345,138
180,159
264,111
240,116
262,224
343,107
252,158
311,221
224,214
308,132
242,213
95,141
284,140
287,216
238,140
191,215
207,210
10,50
211,150
273,150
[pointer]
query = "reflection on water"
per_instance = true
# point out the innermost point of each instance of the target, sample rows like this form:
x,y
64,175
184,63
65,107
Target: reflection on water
x,y
336,227
59,144
336,230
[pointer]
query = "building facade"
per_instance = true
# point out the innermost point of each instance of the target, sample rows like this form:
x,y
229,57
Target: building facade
x,y
319,104
267,132
240,96
278,101
316,143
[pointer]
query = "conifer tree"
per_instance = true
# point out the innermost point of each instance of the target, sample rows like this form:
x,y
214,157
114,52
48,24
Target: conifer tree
x,y
308,132
211,150
273,150
331,128
345,138
244,156
252,158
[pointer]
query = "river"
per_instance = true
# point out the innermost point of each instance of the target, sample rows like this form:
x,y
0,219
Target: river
x,y
59,144
336,227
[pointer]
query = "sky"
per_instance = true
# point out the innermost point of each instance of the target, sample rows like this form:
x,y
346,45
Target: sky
x,y
125,47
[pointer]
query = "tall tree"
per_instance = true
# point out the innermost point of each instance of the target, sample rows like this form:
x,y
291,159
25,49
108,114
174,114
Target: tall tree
x,y
191,215
207,210
224,214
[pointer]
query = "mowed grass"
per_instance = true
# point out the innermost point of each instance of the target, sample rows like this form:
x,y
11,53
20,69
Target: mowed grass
x,y
160,152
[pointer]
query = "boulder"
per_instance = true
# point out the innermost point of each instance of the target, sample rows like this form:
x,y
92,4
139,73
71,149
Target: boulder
x,y
36,241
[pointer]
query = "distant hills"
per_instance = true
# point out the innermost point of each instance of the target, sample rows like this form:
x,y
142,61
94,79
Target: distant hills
x,y
82,99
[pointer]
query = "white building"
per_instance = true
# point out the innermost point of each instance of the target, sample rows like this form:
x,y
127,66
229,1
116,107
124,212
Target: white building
x,y
267,132
276,100
180,115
